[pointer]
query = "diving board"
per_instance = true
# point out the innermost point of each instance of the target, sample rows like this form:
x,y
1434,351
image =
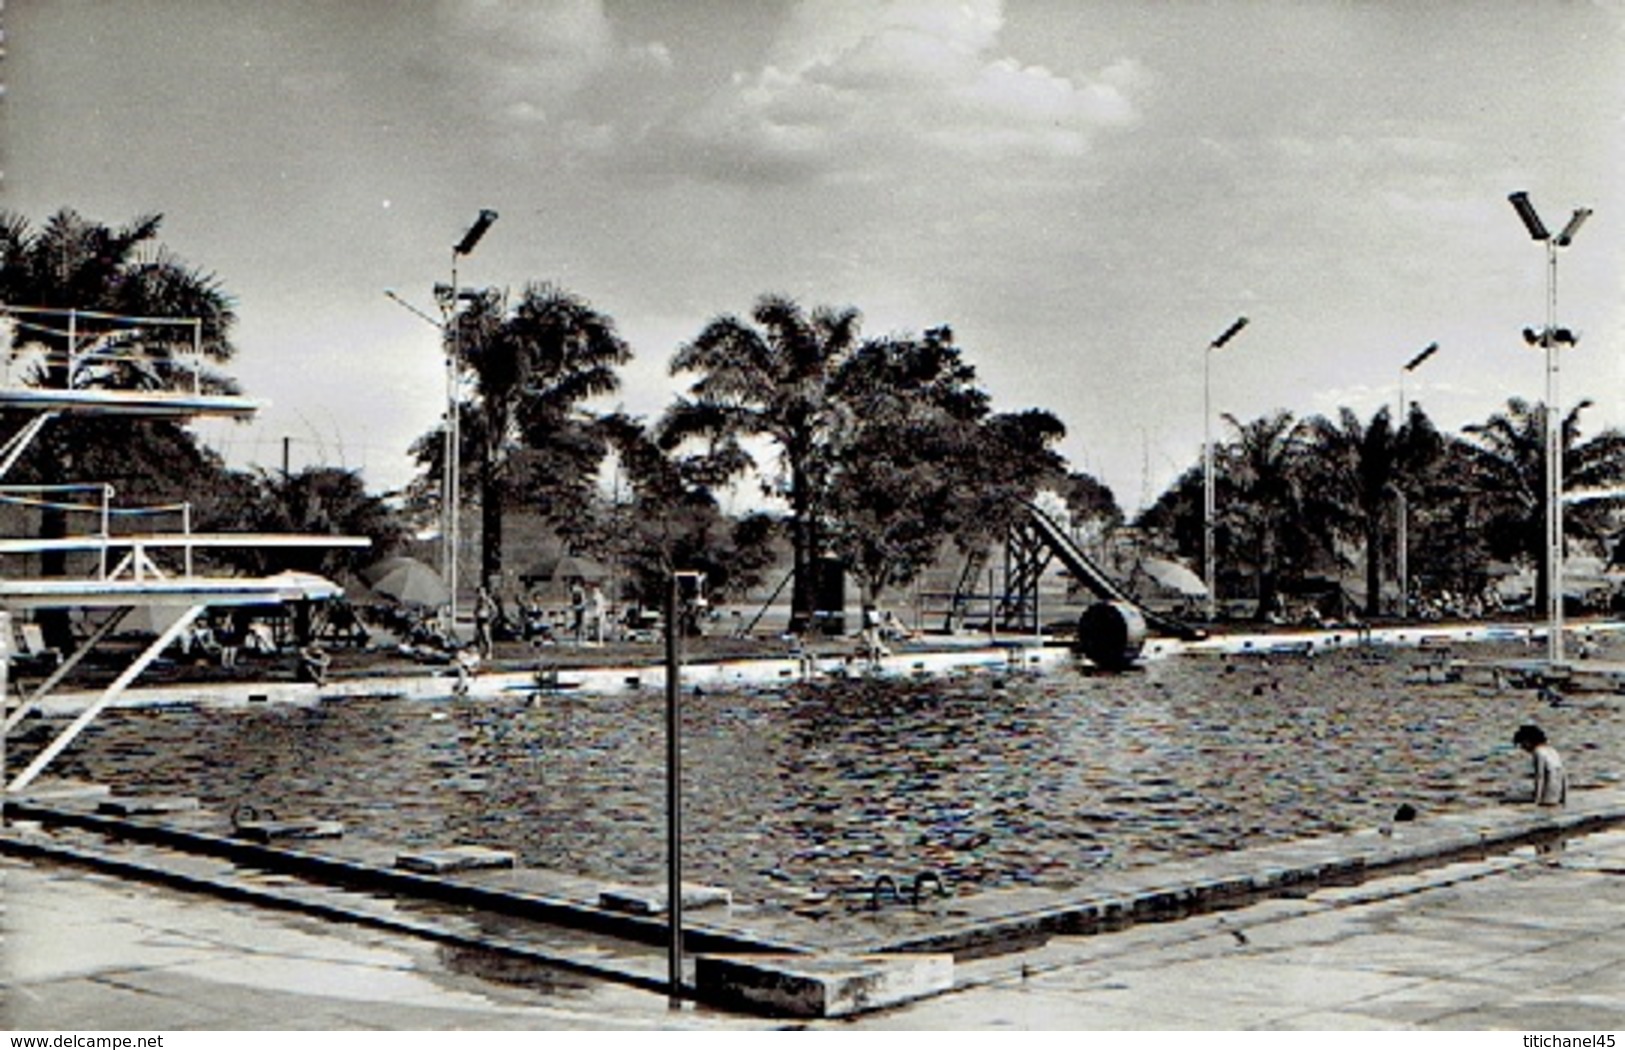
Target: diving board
x,y
213,540
59,592
162,404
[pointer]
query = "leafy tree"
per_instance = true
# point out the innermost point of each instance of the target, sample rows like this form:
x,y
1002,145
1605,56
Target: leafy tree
x,y
1012,458
911,418
317,501
770,377
672,521
1090,501
1177,514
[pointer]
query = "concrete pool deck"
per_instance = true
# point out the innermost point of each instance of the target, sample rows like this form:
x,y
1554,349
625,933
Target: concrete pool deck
x,y
983,940
1510,941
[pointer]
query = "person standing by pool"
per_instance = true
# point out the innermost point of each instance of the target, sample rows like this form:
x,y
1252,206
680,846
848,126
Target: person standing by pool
x,y
578,612
1551,779
485,614
313,664
465,664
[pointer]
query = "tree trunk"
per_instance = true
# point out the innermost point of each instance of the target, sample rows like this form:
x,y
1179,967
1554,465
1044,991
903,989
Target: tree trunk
x,y
802,587
490,530
1373,567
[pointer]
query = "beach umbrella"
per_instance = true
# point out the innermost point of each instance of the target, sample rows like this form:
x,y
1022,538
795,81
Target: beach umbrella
x,y
407,581
1172,576
567,567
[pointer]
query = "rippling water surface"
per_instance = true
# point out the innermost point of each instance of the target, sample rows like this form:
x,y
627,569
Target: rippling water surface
x,y
988,779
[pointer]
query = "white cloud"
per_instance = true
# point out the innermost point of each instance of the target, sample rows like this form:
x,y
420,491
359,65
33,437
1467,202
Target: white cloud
x,y
526,54
855,84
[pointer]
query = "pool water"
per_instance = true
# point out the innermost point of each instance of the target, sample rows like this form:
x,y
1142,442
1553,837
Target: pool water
x,y
988,779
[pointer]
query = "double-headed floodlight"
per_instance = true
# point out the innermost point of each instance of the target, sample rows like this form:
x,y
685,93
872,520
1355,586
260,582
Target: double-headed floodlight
x,y
1576,220
1531,220
1209,506
1550,337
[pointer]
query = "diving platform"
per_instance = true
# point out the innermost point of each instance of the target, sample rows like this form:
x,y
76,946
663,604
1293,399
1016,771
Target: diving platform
x,y
142,570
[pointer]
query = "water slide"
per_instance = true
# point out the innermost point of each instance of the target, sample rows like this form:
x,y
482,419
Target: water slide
x,y
1104,587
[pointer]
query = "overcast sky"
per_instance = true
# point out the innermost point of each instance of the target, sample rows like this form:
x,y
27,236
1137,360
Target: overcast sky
x,y
1086,191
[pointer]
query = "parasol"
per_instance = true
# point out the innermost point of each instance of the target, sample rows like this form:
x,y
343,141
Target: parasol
x,y
407,581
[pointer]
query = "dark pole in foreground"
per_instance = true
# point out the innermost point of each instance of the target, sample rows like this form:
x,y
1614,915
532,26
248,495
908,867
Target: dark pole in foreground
x,y
674,799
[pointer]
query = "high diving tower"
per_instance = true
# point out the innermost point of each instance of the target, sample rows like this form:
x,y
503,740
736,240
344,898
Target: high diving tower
x,y
149,570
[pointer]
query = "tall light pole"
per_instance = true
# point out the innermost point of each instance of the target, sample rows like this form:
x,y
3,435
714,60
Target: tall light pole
x,y
450,493
1403,560
1549,338
1211,576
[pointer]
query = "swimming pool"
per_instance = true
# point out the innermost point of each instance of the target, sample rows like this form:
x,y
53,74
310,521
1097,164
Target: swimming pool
x,y
989,779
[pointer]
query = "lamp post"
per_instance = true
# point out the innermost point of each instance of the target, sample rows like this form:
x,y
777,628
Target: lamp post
x,y
451,496
1549,338
674,796
1404,509
1211,578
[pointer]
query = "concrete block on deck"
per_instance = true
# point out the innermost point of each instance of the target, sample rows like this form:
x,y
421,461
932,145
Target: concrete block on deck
x,y
276,830
54,789
820,985
651,900
454,859
146,805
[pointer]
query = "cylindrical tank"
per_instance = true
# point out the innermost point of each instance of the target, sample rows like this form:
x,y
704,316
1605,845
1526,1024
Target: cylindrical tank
x,y
1111,634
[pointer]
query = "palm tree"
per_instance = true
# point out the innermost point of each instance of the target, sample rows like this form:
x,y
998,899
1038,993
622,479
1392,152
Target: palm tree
x,y
1357,469
771,379
72,266
531,369
1509,462
1263,501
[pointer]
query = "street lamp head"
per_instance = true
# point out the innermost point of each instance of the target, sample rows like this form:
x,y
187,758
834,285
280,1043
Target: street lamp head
x,y
1565,336
475,232
1577,220
1526,212
1229,333
1427,352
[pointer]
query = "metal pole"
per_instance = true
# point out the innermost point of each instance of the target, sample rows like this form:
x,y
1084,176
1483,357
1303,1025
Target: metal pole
x,y
1402,560
1208,569
5,698
1554,470
1209,500
1404,505
674,799
451,528
107,526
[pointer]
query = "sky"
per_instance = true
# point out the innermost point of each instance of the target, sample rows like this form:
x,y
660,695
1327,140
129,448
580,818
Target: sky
x,y
1087,191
